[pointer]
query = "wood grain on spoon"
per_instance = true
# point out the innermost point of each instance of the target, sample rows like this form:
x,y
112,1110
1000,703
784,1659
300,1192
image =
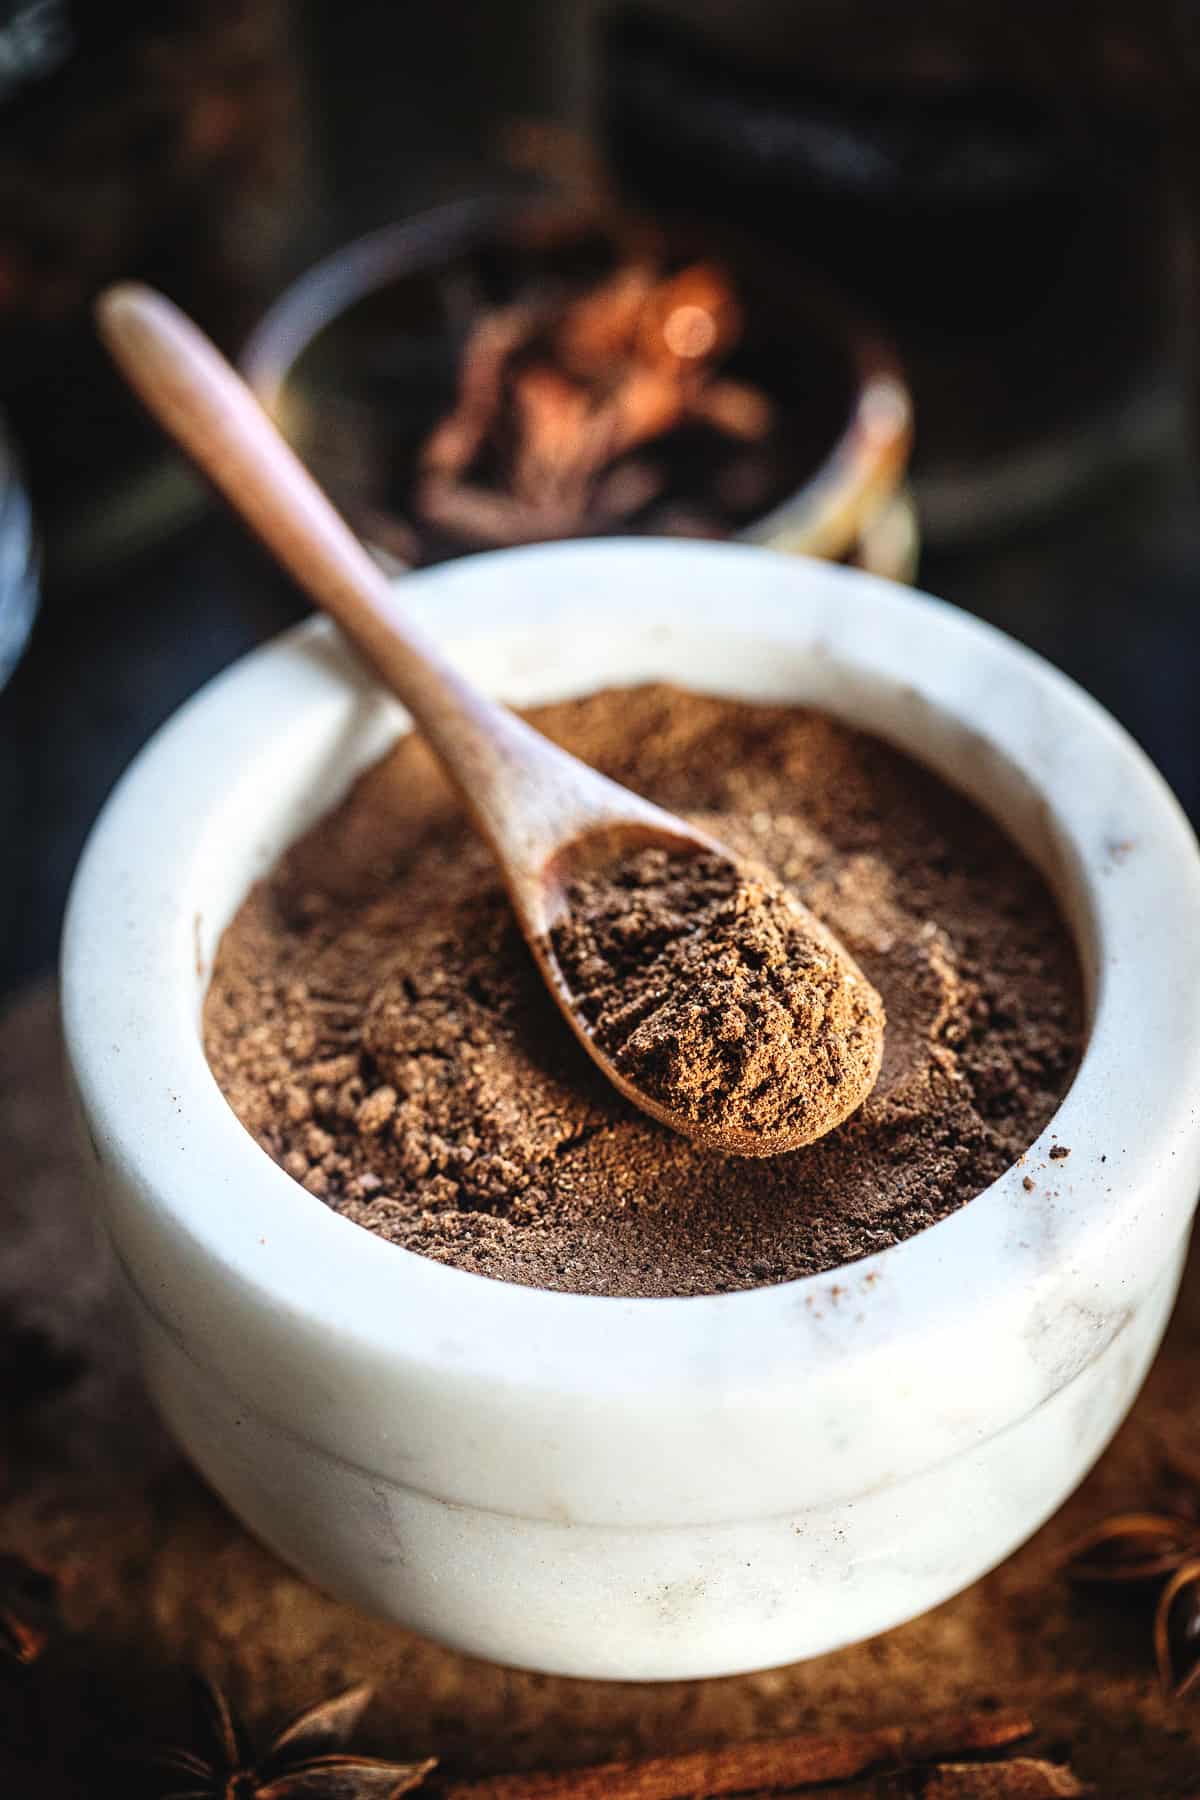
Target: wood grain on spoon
x,y
551,821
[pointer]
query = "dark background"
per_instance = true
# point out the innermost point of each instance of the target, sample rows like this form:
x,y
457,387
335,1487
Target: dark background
x,y
1015,202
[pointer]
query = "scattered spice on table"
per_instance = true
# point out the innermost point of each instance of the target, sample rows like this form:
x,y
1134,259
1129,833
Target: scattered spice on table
x,y
951,1756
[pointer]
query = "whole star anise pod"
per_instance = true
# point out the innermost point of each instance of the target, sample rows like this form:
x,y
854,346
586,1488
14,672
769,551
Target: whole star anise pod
x,y
305,1762
1177,1630
1149,1549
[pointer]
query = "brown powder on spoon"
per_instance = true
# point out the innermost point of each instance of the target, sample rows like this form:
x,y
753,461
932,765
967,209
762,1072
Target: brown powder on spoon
x,y
378,1024
713,992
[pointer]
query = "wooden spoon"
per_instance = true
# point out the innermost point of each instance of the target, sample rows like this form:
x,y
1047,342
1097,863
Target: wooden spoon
x,y
545,815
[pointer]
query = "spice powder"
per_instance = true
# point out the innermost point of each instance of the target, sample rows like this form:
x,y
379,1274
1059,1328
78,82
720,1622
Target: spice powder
x,y
718,996
377,1023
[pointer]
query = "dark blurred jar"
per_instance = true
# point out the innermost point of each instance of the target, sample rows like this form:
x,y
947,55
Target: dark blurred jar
x,y
990,181
135,139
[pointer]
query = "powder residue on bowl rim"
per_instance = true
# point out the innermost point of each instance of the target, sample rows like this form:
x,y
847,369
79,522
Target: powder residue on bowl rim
x,y
716,994
378,1025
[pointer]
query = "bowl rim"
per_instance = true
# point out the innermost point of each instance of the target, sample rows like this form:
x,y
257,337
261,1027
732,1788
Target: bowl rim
x,y
157,1120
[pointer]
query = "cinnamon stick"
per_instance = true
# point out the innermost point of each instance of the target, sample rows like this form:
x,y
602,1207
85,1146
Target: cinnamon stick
x,y
488,355
772,1765
556,388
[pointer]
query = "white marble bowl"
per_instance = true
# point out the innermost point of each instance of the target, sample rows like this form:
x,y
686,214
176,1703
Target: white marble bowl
x,y
643,1488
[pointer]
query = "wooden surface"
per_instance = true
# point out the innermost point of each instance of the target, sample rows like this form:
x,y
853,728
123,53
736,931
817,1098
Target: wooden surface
x,y
158,1578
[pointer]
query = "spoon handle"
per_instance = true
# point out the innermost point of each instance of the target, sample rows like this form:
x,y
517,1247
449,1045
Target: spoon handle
x,y
525,794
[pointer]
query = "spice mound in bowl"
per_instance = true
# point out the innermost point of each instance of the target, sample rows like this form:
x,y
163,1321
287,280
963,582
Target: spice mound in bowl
x,y
715,994
377,1023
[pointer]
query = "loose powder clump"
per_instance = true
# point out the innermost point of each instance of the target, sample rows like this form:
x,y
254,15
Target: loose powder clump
x,y
717,995
377,1023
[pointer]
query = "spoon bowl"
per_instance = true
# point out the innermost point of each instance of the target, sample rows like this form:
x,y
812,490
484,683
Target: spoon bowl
x,y
721,1120
597,847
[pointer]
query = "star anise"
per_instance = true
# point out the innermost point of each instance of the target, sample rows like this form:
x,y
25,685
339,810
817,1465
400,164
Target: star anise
x,y
28,1610
1148,1550
1177,1630
305,1762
